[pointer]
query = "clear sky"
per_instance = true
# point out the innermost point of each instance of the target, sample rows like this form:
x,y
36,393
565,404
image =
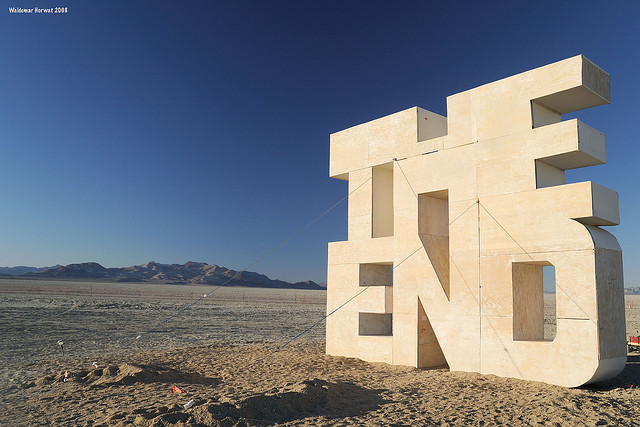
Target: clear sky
x,y
172,131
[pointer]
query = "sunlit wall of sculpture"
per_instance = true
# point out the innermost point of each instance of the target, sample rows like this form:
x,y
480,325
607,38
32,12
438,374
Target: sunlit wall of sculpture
x,y
451,220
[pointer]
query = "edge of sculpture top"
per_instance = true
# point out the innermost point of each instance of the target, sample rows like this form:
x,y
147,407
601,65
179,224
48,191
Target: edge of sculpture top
x,y
572,84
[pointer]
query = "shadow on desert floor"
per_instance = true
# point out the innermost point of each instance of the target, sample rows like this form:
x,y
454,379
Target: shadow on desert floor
x,y
630,376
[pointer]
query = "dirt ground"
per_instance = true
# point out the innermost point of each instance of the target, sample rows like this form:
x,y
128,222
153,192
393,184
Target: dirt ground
x,y
225,356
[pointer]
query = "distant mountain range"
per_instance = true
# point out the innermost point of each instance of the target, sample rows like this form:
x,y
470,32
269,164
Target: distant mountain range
x,y
20,270
190,272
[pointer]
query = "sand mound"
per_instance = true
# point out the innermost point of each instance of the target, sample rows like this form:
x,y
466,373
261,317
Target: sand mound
x,y
125,374
295,401
311,397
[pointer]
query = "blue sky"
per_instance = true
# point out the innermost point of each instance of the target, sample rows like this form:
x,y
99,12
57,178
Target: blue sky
x,y
175,131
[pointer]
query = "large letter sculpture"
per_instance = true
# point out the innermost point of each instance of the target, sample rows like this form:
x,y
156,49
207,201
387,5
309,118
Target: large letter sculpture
x,y
451,221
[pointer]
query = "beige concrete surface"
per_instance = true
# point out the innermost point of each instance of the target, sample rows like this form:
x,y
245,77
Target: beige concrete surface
x,y
451,221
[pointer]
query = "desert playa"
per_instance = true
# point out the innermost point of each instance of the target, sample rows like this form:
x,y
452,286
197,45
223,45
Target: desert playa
x,y
224,355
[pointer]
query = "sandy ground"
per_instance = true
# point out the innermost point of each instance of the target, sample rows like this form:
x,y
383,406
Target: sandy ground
x,y
249,384
236,375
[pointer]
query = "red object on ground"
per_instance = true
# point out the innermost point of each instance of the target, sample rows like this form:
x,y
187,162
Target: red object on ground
x,y
634,340
176,389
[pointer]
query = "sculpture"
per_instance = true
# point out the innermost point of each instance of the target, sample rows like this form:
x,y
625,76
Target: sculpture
x,y
451,220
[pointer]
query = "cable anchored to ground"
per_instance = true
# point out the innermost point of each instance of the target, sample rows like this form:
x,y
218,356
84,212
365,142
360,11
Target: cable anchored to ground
x,y
310,328
265,255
